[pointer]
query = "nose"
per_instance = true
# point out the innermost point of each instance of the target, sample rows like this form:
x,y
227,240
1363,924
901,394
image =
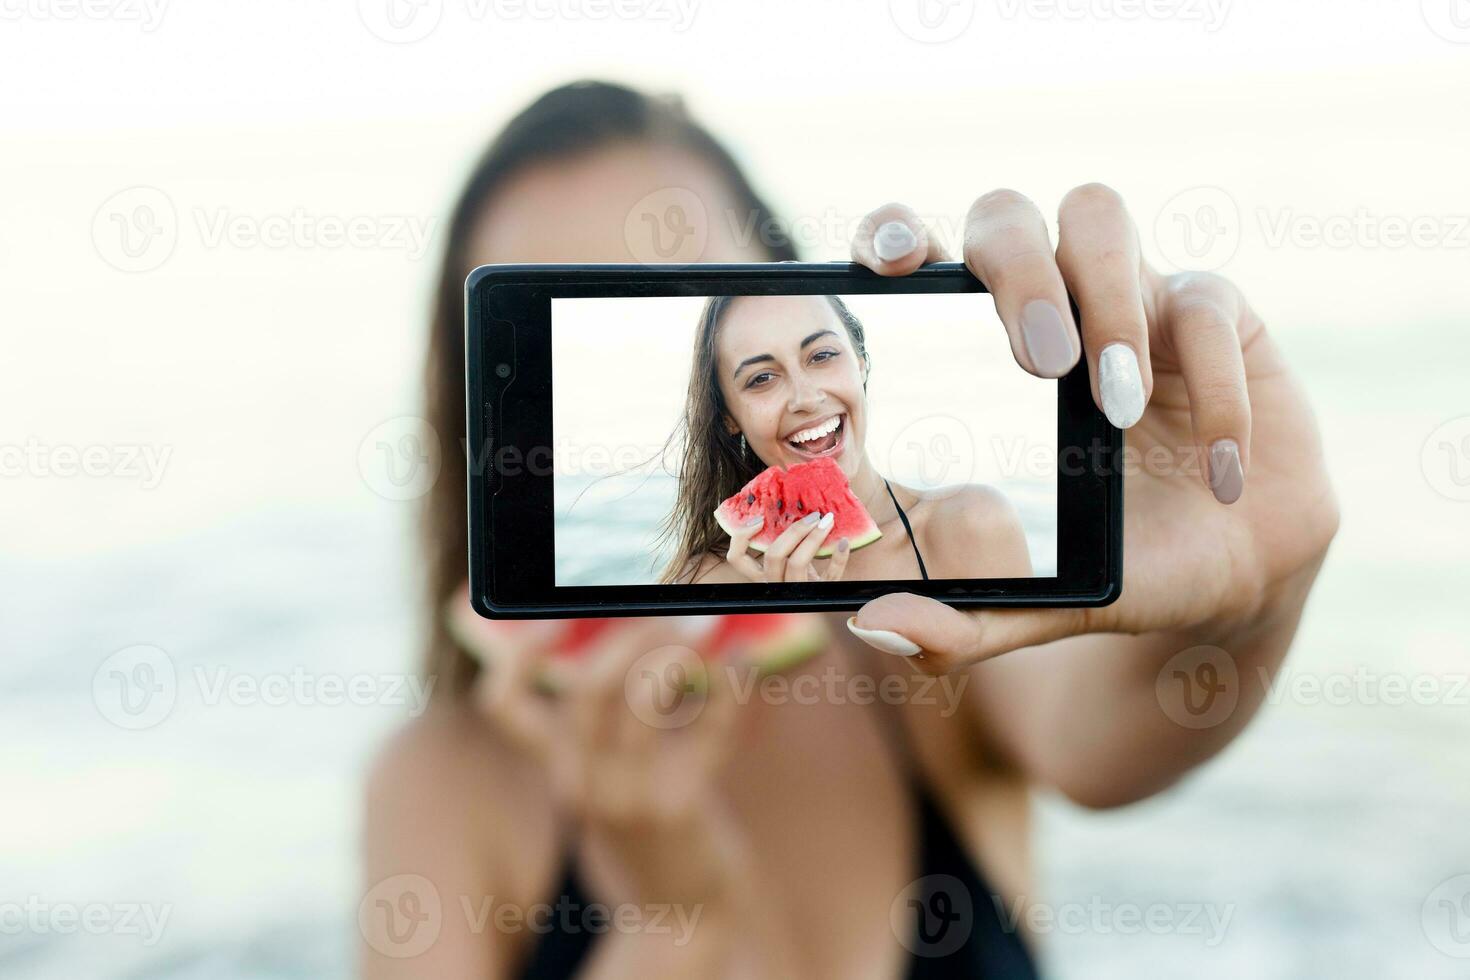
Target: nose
x,y
805,396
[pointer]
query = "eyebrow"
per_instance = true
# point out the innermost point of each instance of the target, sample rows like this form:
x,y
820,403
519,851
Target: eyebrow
x,y
759,358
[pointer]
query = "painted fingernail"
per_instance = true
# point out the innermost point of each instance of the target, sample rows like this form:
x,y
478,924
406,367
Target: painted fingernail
x,y
826,522
756,521
1227,479
893,241
843,544
1047,338
812,518
1121,385
885,640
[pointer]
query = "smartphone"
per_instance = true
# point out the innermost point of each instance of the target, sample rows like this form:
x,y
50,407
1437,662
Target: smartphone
x,y
612,410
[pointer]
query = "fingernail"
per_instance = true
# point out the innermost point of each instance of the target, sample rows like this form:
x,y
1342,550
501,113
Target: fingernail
x,y
1047,338
843,544
826,522
885,640
1227,479
1121,385
894,240
811,518
756,521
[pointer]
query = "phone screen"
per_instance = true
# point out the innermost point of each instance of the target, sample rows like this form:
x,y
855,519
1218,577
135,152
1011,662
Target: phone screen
x,y
664,407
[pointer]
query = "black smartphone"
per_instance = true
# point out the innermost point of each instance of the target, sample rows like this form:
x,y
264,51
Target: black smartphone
x,y
625,422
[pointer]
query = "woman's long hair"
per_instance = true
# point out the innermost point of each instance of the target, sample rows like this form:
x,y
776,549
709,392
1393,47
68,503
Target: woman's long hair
x,y
716,463
566,122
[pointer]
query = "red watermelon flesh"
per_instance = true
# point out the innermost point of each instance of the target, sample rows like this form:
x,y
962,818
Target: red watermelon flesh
x,y
784,497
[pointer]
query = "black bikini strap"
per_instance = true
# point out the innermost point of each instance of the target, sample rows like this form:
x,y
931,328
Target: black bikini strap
x,y
907,527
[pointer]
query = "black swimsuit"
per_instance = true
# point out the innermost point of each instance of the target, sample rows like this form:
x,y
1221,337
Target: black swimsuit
x,y
952,917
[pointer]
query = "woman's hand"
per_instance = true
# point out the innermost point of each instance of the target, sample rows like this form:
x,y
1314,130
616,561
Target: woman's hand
x,y
633,749
1228,507
790,557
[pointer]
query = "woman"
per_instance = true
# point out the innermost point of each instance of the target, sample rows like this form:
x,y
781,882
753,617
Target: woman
x,y
782,380
838,836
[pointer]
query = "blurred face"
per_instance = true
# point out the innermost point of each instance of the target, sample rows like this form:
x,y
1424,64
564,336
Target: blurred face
x,y
593,207
792,381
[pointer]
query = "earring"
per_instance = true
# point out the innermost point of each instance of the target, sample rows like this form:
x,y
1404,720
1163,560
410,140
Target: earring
x,y
742,445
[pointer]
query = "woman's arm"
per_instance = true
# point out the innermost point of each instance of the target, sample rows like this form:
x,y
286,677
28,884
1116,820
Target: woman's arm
x,y
1221,546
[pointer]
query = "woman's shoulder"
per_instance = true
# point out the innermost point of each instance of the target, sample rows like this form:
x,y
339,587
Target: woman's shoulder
x,y
450,775
973,519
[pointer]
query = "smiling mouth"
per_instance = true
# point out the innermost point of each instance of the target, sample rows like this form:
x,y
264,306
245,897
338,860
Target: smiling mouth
x,y
822,439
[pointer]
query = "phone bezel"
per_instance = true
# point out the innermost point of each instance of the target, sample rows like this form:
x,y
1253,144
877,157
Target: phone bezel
x,y
510,505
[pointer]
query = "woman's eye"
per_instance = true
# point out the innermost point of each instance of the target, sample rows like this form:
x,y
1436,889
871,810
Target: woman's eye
x,y
824,355
758,379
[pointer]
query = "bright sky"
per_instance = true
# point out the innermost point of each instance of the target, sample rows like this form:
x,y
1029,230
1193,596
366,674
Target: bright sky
x,y
259,356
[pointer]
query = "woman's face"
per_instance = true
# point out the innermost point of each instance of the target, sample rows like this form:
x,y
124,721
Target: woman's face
x,y
792,381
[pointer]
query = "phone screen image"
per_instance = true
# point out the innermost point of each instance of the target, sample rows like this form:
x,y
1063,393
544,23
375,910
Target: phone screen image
x,y
665,407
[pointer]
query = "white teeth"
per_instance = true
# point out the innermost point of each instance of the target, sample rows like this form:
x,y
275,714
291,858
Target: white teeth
x,y
817,431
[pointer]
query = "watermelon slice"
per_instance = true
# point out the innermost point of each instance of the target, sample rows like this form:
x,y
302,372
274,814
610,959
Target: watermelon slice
x,y
771,642
784,497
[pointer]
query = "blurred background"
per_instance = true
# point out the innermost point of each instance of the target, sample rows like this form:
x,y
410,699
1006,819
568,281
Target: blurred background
x,y
220,227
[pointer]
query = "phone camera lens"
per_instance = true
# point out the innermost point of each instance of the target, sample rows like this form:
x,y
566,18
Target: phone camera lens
x,y
502,370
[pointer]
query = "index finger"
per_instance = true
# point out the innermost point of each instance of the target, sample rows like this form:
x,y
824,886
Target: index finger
x,y
894,241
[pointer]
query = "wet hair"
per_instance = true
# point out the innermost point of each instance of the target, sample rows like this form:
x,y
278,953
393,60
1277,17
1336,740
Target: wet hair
x,y
569,121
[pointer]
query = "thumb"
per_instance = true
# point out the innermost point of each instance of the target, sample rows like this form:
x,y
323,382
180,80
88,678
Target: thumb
x,y
939,638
